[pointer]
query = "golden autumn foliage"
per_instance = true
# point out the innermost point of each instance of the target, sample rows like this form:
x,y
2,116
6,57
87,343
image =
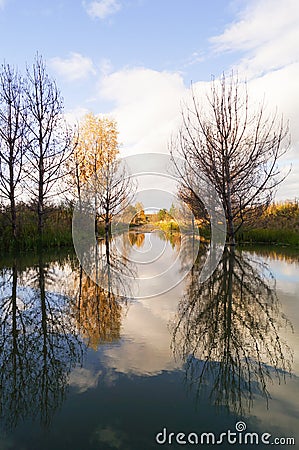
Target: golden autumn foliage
x,y
98,313
277,216
96,144
136,239
97,174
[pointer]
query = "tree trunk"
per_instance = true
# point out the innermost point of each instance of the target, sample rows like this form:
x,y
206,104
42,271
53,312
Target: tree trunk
x,y
40,202
13,215
107,226
231,230
40,219
228,198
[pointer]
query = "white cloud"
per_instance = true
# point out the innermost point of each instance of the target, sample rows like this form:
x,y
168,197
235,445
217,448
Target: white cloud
x,y
281,90
147,106
146,350
147,103
102,8
76,67
267,31
74,116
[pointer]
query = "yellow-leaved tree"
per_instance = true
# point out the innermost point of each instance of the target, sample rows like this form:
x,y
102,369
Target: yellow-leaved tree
x,y
97,169
95,143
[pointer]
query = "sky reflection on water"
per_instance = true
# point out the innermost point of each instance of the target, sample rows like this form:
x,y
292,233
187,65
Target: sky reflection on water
x,y
98,371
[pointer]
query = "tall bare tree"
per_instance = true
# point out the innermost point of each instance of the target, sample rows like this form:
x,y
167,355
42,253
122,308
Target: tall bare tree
x,y
236,148
115,190
12,139
49,138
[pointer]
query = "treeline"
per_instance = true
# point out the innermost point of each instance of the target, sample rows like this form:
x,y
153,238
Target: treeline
x,y
277,223
48,166
230,160
281,215
35,143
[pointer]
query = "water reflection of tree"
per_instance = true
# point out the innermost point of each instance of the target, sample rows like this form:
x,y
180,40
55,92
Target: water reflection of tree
x,y
136,238
38,347
192,249
99,300
98,312
227,332
173,237
277,253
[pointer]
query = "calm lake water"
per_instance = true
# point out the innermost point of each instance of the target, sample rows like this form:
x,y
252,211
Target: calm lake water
x,y
84,369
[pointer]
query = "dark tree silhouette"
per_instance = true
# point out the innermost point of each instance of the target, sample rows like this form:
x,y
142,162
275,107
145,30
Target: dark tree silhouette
x,y
39,346
50,139
235,148
12,140
227,332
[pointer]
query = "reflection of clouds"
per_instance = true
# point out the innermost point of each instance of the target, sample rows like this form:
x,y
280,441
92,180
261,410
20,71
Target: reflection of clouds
x,y
84,379
145,348
288,295
109,436
235,318
284,411
110,377
39,346
287,286
287,283
284,270
290,270
59,279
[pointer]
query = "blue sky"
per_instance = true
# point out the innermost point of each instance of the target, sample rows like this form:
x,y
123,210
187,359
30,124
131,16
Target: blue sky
x,y
160,34
135,59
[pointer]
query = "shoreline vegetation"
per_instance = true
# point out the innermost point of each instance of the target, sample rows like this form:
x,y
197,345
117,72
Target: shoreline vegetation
x,y
45,160
278,225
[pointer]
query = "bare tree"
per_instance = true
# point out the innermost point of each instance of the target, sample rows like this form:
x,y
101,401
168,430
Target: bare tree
x,y
235,148
74,173
49,139
114,190
12,139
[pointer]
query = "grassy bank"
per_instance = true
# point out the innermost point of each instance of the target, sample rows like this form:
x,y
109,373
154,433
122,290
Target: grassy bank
x,y
278,224
269,236
57,230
